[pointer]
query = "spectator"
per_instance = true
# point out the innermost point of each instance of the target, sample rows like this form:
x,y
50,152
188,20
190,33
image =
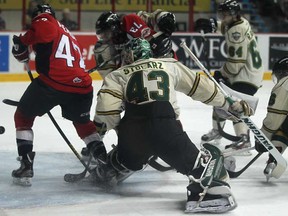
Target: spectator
x,y
66,20
2,22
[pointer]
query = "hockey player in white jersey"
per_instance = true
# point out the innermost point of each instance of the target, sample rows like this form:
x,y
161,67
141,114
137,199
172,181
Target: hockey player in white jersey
x,y
243,70
149,126
275,124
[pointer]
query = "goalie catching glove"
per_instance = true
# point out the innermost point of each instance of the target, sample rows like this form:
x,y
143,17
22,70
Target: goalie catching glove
x,y
20,51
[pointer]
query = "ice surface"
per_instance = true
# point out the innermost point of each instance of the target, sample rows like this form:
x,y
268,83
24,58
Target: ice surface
x,y
144,193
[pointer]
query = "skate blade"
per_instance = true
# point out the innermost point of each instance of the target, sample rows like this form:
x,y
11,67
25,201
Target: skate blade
x,y
25,181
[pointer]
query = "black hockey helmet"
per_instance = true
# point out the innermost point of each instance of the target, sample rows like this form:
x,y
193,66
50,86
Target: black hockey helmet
x,y
280,68
166,22
232,7
107,21
45,8
161,46
108,26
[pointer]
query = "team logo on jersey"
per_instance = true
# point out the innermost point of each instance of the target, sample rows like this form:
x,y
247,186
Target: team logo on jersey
x,y
145,32
236,36
77,80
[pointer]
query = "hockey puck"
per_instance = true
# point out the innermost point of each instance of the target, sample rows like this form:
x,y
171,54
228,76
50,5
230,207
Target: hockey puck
x,y
2,130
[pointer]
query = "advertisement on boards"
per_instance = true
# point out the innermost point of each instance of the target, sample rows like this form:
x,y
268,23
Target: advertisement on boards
x,y
4,53
278,47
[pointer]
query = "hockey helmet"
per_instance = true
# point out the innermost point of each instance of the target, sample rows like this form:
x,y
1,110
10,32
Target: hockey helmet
x,y
161,46
280,68
229,7
45,8
135,49
107,21
108,26
166,22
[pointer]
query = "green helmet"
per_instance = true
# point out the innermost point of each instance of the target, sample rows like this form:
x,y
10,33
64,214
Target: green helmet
x,y
136,49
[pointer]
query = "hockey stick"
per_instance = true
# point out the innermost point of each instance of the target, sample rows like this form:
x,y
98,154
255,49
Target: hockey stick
x,y
102,64
226,135
233,174
259,135
10,102
71,177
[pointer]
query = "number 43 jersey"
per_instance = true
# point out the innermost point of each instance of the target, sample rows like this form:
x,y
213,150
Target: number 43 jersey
x,y
58,58
150,80
244,62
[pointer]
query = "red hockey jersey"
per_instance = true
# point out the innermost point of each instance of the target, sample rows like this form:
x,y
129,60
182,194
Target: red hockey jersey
x,y
135,27
58,60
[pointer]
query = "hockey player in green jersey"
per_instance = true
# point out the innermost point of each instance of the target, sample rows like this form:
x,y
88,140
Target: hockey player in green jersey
x,y
275,124
149,126
242,71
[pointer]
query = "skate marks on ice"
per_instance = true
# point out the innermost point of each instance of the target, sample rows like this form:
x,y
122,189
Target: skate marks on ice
x,y
145,193
50,190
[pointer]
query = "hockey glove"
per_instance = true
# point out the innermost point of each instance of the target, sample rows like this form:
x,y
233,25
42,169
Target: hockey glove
x,y
241,108
166,23
20,51
259,147
206,25
219,77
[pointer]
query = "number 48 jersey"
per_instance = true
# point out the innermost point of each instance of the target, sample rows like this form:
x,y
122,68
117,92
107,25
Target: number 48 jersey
x,y
58,58
150,80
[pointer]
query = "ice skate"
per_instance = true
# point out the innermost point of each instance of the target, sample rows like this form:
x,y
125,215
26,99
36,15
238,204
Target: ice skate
x,y
242,144
85,154
23,175
212,137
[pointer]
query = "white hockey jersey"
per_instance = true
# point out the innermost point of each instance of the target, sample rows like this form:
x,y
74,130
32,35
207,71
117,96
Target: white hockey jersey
x,y
277,108
244,63
151,80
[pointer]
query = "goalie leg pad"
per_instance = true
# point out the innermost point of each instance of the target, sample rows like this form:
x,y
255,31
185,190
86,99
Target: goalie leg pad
x,y
210,192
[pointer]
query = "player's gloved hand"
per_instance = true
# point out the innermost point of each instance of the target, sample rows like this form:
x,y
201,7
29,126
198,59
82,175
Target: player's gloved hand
x,y
219,77
206,25
166,23
240,108
98,151
259,147
19,50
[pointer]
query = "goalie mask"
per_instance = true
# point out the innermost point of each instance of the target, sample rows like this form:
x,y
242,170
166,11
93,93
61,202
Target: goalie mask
x,y
45,8
134,50
280,69
228,9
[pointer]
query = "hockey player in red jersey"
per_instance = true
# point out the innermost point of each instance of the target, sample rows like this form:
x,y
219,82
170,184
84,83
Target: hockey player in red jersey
x,y
62,81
